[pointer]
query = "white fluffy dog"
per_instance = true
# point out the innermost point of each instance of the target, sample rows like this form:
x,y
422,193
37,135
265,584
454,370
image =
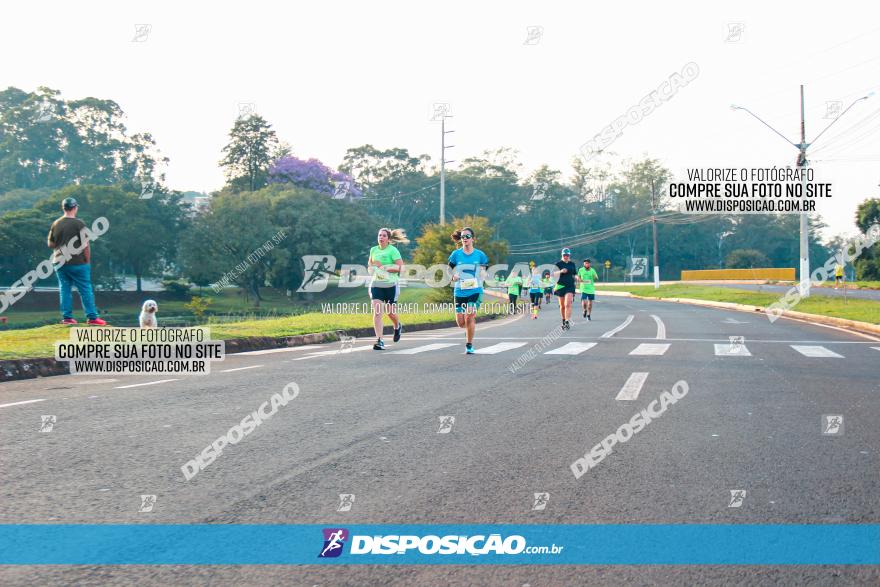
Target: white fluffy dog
x,y
148,314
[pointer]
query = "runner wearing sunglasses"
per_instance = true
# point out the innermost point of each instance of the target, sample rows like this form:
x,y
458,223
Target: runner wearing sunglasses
x,y
468,265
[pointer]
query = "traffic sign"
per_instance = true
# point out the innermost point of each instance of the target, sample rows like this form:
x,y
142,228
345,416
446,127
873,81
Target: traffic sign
x,y
607,264
638,266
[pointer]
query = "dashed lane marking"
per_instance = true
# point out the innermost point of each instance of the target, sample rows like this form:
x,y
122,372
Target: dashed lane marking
x,y
30,401
815,352
731,350
241,368
647,348
632,387
500,348
572,348
423,349
143,384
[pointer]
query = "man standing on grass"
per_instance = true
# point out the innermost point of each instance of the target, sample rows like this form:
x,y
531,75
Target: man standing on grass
x,y
75,271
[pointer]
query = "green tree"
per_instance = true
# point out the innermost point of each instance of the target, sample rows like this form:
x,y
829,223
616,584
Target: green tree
x,y
46,141
370,166
868,263
229,237
22,243
315,224
435,245
251,148
22,199
143,233
747,259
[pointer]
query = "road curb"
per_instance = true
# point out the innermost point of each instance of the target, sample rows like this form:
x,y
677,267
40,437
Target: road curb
x,y
18,369
844,323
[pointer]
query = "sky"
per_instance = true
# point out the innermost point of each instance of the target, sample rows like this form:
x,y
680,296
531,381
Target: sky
x,y
333,75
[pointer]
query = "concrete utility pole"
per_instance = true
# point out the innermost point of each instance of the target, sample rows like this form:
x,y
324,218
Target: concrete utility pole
x,y
443,162
654,225
802,163
805,223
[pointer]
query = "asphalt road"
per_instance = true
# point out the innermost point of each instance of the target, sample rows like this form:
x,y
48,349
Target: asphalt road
x,y
366,423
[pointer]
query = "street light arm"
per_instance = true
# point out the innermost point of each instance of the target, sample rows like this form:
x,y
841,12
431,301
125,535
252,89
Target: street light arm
x,y
765,124
839,116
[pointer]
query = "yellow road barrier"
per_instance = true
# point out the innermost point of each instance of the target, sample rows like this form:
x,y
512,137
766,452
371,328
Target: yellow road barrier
x,y
780,274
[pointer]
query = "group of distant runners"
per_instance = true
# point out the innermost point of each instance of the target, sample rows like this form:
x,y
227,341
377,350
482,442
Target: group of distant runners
x,y
469,266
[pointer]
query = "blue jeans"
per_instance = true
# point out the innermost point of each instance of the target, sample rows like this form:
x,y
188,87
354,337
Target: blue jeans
x,y
81,277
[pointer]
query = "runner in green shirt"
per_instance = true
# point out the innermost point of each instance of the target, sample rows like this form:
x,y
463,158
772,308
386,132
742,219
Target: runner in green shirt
x,y
514,286
587,277
536,291
548,286
385,264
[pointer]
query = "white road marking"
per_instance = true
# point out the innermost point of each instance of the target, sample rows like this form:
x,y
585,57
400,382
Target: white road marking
x,y
614,331
500,348
632,387
240,368
751,340
286,349
424,348
333,352
733,321
815,352
661,328
94,381
876,348
143,384
572,348
647,348
30,401
729,350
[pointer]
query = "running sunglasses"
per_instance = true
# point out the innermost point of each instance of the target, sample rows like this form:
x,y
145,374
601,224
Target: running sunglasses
x,y
467,237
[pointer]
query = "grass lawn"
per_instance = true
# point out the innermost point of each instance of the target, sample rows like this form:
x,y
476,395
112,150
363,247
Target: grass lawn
x,y
123,309
854,309
863,284
830,283
38,342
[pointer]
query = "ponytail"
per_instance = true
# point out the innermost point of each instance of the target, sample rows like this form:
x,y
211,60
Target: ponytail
x,y
396,236
456,236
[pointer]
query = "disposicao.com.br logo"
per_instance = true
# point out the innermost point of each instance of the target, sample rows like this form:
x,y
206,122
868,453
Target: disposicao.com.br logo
x,y
334,540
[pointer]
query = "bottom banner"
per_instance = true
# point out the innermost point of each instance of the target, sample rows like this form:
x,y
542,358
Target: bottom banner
x,y
618,544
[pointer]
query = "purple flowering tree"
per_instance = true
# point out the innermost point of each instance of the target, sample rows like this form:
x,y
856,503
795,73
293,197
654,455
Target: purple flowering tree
x,y
314,175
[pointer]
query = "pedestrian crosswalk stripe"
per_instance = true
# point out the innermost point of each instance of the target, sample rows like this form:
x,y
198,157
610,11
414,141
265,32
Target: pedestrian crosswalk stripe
x,y
731,350
424,348
572,348
338,351
650,349
500,348
815,352
632,387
